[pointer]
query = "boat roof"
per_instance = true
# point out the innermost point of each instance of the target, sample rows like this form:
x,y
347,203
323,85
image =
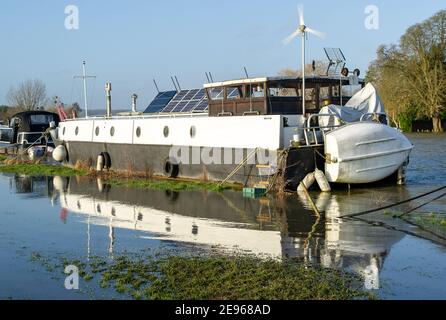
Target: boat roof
x,y
26,114
314,79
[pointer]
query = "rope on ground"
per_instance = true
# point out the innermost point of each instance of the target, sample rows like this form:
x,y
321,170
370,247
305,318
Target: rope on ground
x,y
420,206
391,205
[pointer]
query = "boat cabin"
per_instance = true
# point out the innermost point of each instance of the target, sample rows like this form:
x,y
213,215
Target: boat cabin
x,y
26,128
277,95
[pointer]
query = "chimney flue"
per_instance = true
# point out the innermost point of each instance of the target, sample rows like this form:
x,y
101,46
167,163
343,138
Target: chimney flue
x,y
134,98
108,89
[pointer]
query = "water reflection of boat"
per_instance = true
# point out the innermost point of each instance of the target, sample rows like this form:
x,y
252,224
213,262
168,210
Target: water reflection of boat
x,y
230,223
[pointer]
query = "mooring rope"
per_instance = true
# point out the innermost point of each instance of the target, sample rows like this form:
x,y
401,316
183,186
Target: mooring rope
x,y
394,204
420,206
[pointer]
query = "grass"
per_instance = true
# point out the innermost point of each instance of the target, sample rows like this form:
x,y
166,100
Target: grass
x,y
432,219
112,178
218,278
173,185
35,169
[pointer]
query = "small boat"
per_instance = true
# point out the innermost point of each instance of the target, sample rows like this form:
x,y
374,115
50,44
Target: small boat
x,y
26,131
364,152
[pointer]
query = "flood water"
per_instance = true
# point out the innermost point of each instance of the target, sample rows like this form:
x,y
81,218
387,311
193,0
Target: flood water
x,y
84,218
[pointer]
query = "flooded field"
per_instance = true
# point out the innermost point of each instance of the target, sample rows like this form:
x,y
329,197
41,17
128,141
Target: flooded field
x,y
84,218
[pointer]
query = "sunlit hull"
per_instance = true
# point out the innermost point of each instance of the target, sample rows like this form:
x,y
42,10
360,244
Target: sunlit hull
x,y
365,152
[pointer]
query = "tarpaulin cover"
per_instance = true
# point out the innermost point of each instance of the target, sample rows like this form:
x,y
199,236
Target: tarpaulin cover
x,y
363,102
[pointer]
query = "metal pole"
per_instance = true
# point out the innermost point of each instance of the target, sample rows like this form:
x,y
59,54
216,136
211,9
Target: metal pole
x,y
303,74
156,86
340,89
84,77
108,89
246,72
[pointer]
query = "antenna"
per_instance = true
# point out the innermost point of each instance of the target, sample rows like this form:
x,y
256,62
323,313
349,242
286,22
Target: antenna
x,y
179,87
84,77
207,77
174,84
156,85
336,61
246,72
302,30
336,67
210,76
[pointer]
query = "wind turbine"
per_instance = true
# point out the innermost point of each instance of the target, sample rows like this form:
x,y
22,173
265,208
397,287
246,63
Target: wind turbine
x,y
302,30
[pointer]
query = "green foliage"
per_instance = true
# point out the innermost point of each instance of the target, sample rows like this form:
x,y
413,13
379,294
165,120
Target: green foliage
x,y
413,73
41,170
167,277
172,185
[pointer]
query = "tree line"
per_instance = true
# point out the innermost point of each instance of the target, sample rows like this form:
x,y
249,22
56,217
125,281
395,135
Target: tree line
x,y
411,75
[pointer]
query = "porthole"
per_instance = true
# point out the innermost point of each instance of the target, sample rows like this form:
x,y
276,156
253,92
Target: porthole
x,y
138,132
76,132
112,131
166,131
113,212
63,131
193,131
98,208
97,131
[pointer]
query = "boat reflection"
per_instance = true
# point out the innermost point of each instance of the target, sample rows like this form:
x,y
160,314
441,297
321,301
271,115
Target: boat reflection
x,y
278,228
229,223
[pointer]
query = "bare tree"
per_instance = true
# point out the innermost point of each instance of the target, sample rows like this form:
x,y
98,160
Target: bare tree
x,y
29,95
320,68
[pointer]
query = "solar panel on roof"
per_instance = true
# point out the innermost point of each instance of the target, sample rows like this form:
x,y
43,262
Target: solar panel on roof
x,y
187,101
160,101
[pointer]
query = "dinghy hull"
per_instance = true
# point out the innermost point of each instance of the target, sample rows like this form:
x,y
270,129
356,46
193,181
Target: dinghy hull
x,y
364,152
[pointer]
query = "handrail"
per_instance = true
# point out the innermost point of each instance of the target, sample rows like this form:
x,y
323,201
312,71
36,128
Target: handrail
x,y
145,116
317,115
321,129
371,114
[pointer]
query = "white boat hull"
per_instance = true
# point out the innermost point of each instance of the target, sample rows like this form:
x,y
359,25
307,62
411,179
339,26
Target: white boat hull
x,y
364,152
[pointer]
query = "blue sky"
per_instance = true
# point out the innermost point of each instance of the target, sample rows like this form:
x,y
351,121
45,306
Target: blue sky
x,y
131,42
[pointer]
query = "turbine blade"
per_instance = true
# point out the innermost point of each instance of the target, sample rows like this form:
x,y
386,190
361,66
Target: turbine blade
x,y
290,38
300,10
316,33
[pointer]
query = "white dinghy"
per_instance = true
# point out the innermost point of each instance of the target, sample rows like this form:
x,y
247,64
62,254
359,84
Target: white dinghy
x,y
362,151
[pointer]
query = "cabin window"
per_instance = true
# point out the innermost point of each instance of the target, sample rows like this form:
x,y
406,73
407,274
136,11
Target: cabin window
x,y
76,131
256,90
138,132
166,131
282,92
63,131
41,119
215,93
325,96
310,98
112,131
234,92
97,131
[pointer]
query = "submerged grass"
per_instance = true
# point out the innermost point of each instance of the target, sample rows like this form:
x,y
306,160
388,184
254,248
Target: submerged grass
x,y
218,278
431,219
111,178
173,185
36,169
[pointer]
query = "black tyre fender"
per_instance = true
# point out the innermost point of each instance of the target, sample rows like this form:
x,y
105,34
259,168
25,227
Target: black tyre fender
x,y
107,160
171,168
